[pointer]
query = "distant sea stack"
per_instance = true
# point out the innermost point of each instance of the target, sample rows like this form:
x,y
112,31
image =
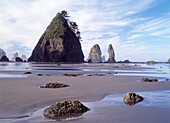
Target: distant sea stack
x,y
95,54
59,43
15,55
111,54
4,58
2,53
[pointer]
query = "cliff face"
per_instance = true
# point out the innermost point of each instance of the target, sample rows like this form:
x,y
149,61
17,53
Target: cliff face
x,y
95,54
58,44
111,55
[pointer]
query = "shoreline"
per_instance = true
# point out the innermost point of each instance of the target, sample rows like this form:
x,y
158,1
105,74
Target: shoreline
x,y
22,95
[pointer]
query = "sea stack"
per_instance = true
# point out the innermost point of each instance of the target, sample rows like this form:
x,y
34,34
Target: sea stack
x,y
4,58
111,54
59,42
2,53
95,54
169,60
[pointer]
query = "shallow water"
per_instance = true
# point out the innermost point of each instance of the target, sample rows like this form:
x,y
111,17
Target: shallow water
x,y
151,99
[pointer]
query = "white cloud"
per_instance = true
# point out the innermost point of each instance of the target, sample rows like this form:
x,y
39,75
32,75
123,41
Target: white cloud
x,y
101,22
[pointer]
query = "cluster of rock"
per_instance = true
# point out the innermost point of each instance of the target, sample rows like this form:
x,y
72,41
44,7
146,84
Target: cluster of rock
x,y
150,62
17,58
132,99
143,79
4,58
59,43
54,85
64,108
95,55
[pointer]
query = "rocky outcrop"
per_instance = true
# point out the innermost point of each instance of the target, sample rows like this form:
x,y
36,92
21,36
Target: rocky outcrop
x,y
150,62
18,59
111,54
132,99
4,58
54,85
59,43
95,54
23,57
143,79
65,108
103,58
2,53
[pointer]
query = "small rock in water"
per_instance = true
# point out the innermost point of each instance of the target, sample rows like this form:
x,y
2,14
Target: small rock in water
x,y
28,73
54,85
167,79
143,79
65,108
72,75
132,99
39,74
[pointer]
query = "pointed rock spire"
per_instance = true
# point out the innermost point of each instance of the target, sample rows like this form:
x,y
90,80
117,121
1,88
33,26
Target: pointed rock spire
x,y
111,54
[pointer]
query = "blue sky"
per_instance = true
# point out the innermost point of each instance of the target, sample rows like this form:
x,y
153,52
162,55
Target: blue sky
x,y
138,30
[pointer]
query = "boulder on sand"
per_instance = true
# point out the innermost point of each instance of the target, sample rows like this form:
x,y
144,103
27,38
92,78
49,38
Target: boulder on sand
x,y
54,85
65,108
132,99
143,79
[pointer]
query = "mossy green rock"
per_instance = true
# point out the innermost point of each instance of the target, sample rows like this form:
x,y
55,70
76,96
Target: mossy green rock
x,y
58,43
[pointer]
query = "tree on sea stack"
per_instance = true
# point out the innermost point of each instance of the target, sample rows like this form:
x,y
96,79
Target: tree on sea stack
x,y
60,42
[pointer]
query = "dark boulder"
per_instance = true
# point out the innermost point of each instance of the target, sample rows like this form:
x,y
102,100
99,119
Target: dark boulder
x,y
54,85
132,99
18,59
59,43
4,58
65,108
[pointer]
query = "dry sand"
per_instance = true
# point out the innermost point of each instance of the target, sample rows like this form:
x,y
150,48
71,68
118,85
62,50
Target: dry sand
x,y
22,96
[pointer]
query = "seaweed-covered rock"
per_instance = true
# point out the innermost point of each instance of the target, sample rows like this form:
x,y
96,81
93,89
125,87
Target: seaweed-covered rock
x,y
4,58
95,54
54,85
64,108
143,79
111,54
59,43
132,99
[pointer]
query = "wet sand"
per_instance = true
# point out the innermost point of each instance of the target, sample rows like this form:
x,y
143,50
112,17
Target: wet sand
x,y
20,97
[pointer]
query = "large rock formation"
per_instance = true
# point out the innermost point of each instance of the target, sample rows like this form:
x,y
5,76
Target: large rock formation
x,y
132,99
4,58
2,53
95,54
59,43
65,108
111,55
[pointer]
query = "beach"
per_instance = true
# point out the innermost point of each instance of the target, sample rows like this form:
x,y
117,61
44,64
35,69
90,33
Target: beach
x,y
21,96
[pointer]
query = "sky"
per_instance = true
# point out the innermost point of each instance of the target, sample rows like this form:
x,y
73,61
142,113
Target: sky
x,y
139,30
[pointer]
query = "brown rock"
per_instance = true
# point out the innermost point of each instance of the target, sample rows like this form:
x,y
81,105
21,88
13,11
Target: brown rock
x,y
54,85
72,75
143,79
132,99
95,54
65,108
28,73
111,54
